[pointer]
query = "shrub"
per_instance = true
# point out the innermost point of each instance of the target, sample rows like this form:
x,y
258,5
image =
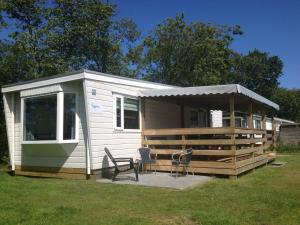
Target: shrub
x,y
5,160
287,148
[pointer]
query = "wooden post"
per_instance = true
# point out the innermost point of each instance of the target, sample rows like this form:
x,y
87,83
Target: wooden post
x,y
232,124
250,116
273,134
264,127
183,139
264,119
231,108
250,126
143,118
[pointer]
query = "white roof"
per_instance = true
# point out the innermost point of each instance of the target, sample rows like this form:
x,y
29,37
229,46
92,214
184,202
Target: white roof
x,y
208,90
283,120
79,75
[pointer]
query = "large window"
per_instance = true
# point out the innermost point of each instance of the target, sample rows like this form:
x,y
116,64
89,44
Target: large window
x,y
69,116
40,116
127,113
50,118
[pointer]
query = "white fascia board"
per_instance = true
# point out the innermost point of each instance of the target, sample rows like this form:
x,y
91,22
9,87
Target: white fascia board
x,y
97,76
42,83
128,82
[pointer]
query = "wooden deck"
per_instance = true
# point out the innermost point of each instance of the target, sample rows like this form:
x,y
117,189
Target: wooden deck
x,y
222,151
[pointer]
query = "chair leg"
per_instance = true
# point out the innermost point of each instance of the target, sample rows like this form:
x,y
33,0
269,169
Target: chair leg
x,y
136,174
115,174
171,169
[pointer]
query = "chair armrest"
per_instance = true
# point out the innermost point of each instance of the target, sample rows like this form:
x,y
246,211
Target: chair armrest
x,y
182,155
123,159
177,153
155,155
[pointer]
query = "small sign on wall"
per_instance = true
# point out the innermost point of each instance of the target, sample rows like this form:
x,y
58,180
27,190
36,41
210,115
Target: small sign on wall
x,y
95,107
94,92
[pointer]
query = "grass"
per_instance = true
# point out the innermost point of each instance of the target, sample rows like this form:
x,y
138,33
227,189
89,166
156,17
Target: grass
x,y
267,196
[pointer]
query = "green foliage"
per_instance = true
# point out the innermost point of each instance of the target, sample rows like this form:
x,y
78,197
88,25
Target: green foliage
x,y
5,160
289,102
186,54
257,71
281,148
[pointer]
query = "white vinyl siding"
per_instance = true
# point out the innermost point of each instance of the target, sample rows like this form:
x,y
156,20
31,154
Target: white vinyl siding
x,y
7,101
53,155
122,143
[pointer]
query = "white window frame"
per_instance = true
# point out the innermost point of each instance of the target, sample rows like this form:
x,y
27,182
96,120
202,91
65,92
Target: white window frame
x,y
59,120
76,140
121,128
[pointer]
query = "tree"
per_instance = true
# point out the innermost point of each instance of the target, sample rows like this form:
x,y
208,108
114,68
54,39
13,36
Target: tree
x,y
84,35
186,54
289,102
257,71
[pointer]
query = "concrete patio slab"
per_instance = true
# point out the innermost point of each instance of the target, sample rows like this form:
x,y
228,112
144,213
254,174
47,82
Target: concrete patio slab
x,y
162,180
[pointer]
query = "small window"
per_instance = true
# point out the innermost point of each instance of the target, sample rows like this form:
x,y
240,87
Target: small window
x,y
127,113
118,112
131,113
40,115
194,118
257,124
69,116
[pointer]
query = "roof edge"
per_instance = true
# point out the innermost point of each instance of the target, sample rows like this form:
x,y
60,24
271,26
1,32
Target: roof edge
x,y
84,72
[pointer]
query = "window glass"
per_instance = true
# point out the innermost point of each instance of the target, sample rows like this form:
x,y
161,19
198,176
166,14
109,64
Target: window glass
x,y
40,118
257,124
69,116
194,118
226,122
118,112
131,113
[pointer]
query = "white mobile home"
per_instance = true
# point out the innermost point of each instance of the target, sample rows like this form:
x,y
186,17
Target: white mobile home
x,y
59,126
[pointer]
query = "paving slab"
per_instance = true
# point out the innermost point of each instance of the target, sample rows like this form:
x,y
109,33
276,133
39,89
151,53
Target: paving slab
x,y
162,180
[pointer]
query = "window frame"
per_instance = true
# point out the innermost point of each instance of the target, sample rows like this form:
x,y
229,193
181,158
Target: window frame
x,y
198,111
59,119
121,128
76,140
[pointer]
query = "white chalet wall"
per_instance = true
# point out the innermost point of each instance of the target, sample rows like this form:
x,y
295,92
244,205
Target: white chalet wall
x,y
53,155
120,143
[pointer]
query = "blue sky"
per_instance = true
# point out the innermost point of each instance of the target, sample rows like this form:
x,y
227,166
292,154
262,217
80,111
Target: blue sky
x,y
271,26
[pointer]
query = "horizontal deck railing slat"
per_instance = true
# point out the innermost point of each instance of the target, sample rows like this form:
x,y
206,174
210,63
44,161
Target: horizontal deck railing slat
x,y
228,151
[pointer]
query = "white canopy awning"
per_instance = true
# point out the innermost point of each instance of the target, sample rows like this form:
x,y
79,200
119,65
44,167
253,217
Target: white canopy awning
x,y
208,90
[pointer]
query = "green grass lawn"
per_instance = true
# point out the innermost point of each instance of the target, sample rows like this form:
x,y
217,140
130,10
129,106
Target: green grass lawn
x,y
266,196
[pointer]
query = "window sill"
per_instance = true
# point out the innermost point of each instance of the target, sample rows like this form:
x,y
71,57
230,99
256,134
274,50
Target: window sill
x,y
127,131
49,142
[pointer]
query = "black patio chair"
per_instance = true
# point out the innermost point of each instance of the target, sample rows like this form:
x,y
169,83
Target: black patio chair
x,y
119,169
146,158
181,159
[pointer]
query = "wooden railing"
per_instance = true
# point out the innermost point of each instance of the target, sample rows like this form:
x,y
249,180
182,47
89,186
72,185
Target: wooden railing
x,y
229,151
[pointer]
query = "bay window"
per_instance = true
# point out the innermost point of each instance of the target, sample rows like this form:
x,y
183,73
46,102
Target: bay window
x,y
40,118
49,118
126,113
